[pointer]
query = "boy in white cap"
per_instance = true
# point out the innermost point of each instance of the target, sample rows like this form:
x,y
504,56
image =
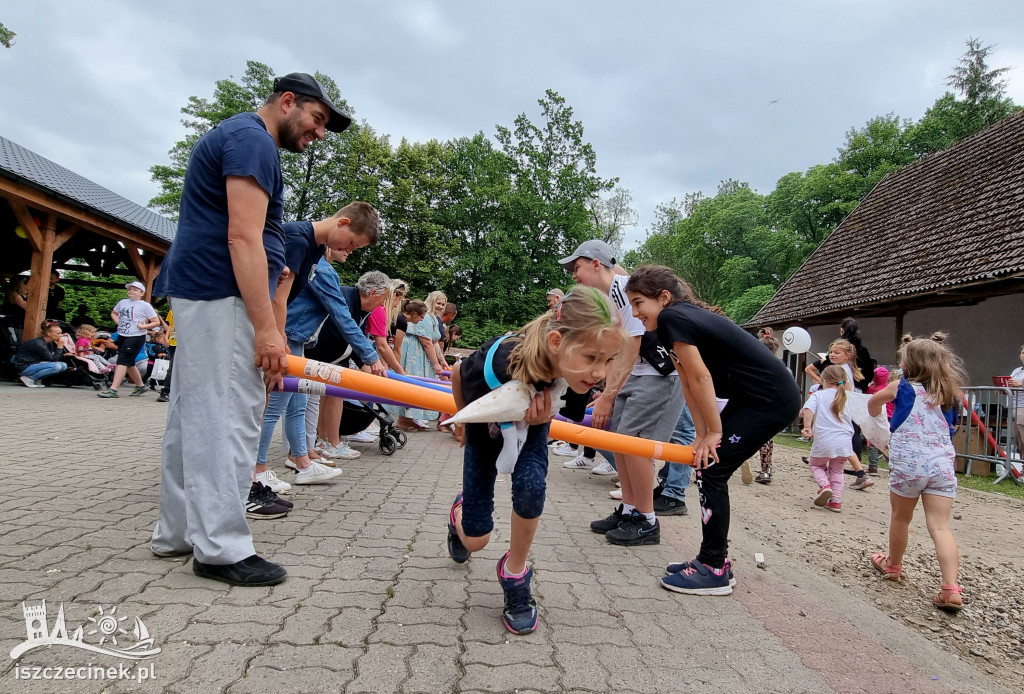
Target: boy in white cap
x,y
134,318
642,398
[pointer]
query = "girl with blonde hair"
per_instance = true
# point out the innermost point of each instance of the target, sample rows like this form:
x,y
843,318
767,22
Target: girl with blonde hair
x,y
576,341
925,402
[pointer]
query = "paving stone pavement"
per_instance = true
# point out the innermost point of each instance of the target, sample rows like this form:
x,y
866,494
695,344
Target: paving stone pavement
x,y
372,602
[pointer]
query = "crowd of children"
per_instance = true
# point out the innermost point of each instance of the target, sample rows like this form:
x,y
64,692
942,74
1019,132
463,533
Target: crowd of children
x,y
736,396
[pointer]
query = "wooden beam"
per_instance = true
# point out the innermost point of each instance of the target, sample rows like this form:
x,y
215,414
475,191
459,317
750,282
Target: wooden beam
x,y
135,256
65,235
28,223
26,195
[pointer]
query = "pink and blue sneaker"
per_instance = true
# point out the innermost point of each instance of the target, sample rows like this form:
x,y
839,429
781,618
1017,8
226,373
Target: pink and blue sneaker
x,y
697,578
456,550
676,568
520,611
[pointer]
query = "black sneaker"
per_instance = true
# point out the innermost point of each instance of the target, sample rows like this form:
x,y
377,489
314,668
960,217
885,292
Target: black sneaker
x,y
763,478
635,530
264,493
251,571
669,506
456,550
162,397
259,507
610,523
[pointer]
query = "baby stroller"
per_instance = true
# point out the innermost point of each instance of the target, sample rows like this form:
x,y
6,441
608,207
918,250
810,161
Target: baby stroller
x,y
357,415
80,371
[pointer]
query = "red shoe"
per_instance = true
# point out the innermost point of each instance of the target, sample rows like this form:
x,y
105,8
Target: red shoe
x,y
824,494
836,506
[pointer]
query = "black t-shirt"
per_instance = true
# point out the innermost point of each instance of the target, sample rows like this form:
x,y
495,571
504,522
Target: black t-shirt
x,y
741,368
53,308
474,384
401,323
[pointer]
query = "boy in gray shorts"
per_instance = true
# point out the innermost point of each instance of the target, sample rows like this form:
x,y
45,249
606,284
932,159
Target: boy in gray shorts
x,y
643,398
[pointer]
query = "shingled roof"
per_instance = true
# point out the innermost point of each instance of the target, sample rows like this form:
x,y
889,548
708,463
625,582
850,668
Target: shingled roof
x,y
954,218
25,166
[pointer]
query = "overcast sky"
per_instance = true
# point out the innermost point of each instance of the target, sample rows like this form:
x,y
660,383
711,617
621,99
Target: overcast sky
x,y
674,96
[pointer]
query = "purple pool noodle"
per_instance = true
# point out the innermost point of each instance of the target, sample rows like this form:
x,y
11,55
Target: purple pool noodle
x,y
587,421
421,384
447,384
291,385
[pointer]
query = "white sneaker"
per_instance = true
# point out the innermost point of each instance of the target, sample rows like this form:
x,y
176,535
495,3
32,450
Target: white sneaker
x,y
277,485
340,452
290,464
421,423
616,494
316,474
605,468
564,450
31,382
365,436
580,462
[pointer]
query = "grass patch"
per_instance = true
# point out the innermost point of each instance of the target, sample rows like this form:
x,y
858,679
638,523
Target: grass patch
x,y
985,484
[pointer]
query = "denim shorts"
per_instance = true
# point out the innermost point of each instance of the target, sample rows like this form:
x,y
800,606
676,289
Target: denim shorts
x,y
529,479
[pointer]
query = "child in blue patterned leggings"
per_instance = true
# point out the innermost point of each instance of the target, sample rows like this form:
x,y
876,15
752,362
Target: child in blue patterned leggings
x,y
575,341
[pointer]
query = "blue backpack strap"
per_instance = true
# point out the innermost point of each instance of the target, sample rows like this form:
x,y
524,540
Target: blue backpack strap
x,y
489,376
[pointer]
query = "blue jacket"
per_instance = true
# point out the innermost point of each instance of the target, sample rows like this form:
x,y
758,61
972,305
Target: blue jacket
x,y
324,298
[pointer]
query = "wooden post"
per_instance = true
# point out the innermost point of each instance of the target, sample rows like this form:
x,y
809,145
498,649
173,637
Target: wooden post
x,y
899,329
44,241
152,268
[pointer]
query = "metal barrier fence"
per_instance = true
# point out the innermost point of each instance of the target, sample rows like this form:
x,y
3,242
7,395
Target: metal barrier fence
x,y
986,432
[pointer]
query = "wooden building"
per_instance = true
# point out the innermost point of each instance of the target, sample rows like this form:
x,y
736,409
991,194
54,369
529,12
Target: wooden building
x,y
937,245
52,218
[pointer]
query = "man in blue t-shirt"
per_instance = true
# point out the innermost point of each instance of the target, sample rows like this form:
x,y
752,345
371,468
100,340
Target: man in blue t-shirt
x,y
220,275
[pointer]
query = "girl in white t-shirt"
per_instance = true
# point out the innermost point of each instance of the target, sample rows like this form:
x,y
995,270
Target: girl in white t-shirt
x,y
843,354
828,422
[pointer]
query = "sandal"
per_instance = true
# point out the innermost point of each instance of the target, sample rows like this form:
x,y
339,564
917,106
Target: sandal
x,y
948,598
890,571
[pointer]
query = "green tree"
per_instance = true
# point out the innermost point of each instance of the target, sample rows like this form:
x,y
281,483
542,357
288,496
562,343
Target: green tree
x,y
6,36
544,215
982,103
612,215
308,177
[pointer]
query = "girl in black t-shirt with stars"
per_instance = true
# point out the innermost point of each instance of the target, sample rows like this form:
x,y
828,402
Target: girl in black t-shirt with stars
x,y
714,358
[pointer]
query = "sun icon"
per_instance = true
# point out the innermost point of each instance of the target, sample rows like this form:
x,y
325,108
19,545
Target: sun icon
x,y
107,624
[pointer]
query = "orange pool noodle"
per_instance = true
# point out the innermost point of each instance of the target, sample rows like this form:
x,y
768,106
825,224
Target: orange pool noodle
x,y
425,398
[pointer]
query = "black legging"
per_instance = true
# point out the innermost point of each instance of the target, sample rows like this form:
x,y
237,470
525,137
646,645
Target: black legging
x,y
745,428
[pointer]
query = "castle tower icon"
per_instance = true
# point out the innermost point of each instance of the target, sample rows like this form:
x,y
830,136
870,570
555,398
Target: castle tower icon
x,y
35,620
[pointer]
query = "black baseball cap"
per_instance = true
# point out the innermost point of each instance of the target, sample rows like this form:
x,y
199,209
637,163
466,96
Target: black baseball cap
x,y
301,83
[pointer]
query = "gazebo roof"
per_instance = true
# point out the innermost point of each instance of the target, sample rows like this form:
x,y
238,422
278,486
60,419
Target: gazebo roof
x,y
947,228
25,166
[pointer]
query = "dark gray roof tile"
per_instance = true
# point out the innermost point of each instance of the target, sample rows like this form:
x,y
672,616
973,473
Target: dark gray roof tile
x,y
18,163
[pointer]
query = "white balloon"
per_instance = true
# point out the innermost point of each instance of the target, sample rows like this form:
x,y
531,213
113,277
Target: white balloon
x,y
796,340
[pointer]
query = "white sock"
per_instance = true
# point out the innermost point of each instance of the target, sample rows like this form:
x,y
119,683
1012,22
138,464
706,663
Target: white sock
x,y
627,508
649,516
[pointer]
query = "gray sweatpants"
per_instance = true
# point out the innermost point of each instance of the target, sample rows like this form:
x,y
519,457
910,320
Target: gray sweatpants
x,y
213,427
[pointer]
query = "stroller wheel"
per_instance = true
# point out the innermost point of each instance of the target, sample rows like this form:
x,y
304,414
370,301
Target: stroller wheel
x,y
387,444
96,385
401,439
